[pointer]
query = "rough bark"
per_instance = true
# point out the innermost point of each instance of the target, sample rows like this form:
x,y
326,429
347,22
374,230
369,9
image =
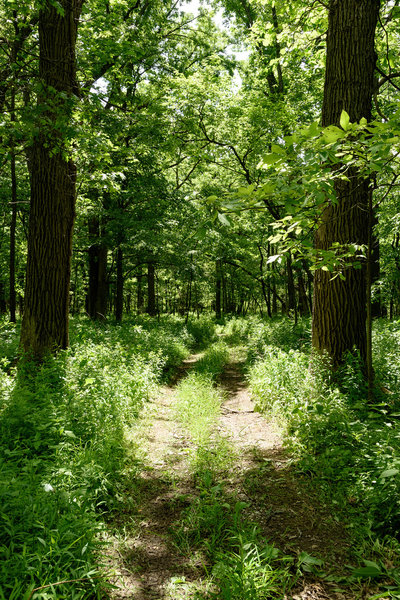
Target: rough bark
x,y
53,177
339,307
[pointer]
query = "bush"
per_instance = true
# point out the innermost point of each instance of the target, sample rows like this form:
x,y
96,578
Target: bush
x,y
203,330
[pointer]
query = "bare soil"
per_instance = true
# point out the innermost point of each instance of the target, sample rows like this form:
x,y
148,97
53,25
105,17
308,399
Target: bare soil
x,y
142,556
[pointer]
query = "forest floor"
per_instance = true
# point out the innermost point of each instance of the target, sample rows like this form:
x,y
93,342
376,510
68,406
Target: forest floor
x,y
144,555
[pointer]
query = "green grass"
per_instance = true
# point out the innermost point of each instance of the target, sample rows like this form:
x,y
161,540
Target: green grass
x,y
63,450
64,456
198,407
349,449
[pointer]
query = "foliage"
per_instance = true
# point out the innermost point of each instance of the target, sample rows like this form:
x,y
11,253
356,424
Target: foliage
x,y
63,450
244,565
351,448
257,333
203,330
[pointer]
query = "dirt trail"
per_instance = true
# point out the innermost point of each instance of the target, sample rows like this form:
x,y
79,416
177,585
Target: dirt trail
x,y
143,557
145,561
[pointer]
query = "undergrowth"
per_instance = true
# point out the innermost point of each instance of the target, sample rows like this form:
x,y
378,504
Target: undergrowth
x,y
350,449
63,449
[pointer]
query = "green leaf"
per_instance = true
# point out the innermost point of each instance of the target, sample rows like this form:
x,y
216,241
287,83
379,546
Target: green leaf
x,y
332,134
246,191
389,473
70,434
277,149
89,381
29,592
344,120
367,572
314,129
371,563
307,562
224,220
269,159
59,8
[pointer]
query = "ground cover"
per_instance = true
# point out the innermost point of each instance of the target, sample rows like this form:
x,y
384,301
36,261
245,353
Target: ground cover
x,y
63,449
190,493
348,449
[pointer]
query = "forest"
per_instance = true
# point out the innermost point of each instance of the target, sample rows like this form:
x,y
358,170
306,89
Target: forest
x,y
200,300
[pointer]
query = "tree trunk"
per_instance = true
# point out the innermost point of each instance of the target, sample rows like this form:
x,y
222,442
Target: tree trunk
x,y
339,307
291,291
303,300
13,226
376,303
13,223
119,297
53,177
266,290
218,284
3,303
151,289
139,291
98,284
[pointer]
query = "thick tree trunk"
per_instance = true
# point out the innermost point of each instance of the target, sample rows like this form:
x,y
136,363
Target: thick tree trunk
x,y
53,177
339,307
151,289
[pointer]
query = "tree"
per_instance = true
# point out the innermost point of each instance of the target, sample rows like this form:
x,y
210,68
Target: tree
x,y
339,312
53,178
